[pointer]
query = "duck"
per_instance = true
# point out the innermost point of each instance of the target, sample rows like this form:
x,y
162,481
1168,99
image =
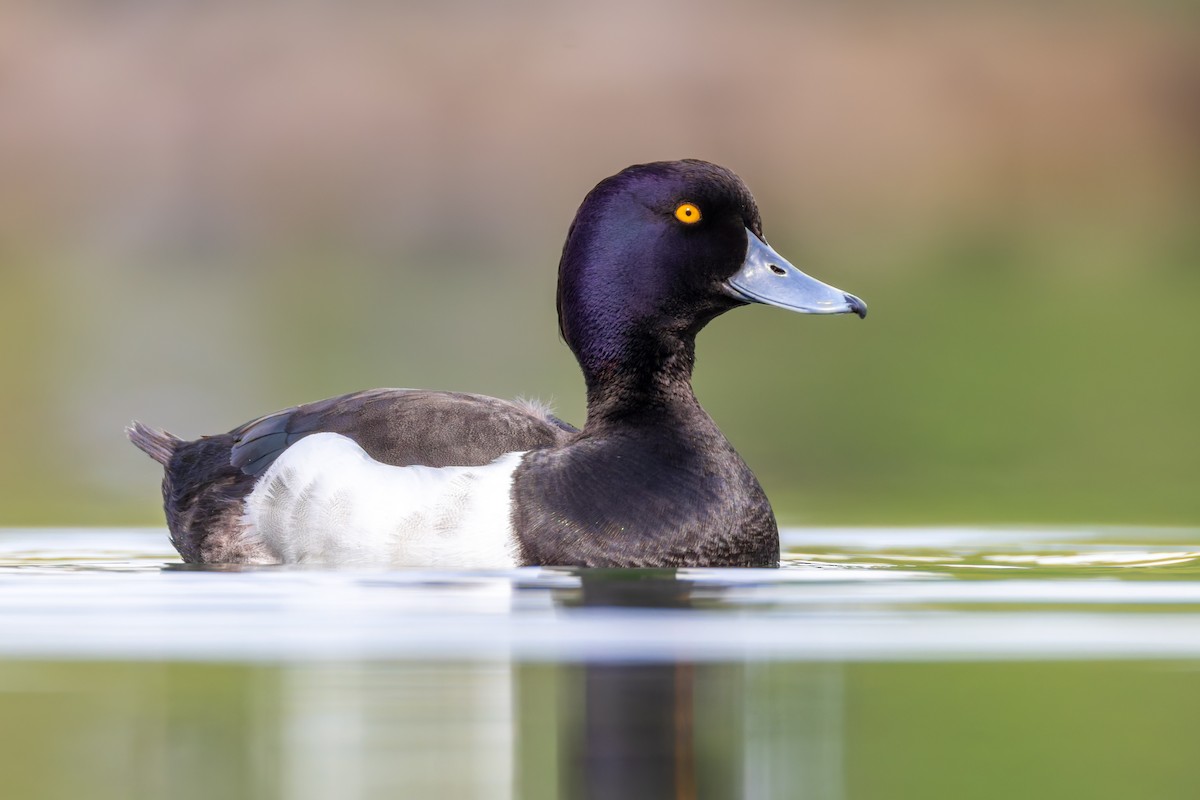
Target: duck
x,y
419,478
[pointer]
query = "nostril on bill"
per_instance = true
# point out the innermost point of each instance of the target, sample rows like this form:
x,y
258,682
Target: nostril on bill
x,y
778,270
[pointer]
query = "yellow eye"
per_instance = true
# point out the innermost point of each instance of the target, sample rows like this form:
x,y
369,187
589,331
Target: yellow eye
x,y
687,213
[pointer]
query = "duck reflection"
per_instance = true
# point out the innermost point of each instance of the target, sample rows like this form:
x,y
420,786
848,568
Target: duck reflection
x,y
634,736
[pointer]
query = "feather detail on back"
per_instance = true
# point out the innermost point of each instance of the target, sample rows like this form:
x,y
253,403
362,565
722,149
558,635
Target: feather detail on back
x,y
404,427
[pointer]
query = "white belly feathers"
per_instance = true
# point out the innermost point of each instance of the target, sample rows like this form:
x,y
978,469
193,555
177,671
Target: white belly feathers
x,y
325,501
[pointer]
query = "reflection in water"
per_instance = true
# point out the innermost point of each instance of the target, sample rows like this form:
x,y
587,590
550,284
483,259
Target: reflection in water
x,y
638,737
475,729
397,730
933,679
187,731
696,730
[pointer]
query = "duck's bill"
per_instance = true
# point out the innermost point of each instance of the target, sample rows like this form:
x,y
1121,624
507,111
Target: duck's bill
x,y
767,277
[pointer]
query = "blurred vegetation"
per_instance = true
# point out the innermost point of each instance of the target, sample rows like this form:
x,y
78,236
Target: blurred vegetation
x,y
210,212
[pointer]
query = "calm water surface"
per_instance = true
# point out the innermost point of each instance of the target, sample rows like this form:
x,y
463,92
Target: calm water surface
x,y
878,663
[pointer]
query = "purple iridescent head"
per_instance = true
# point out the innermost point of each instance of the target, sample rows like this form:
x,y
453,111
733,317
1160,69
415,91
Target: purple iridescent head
x,y
658,250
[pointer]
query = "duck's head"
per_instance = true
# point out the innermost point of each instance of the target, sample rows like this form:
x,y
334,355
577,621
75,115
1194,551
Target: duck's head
x,y
658,250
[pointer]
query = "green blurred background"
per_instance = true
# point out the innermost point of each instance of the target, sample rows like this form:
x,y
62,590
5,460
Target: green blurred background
x,y
211,211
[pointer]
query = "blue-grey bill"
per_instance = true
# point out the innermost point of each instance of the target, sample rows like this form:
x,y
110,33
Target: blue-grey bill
x,y
767,277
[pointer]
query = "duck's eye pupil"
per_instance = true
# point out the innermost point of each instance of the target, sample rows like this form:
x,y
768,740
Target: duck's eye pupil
x,y
688,213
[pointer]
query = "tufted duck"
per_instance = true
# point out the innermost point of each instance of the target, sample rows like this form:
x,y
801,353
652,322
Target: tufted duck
x,y
404,477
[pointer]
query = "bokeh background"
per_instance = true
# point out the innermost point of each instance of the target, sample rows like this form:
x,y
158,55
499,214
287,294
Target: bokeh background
x,y
209,211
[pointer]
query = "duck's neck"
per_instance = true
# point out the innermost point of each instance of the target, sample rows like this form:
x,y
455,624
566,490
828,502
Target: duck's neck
x,y
642,376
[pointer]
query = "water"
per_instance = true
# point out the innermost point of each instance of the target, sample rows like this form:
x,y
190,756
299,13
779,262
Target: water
x,y
878,663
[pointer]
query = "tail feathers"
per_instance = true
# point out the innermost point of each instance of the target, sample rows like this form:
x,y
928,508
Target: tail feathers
x,y
157,444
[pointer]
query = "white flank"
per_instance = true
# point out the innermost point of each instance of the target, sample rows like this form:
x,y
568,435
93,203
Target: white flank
x,y
325,501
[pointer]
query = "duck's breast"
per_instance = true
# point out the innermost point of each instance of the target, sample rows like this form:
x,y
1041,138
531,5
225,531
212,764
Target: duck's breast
x,y
326,501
